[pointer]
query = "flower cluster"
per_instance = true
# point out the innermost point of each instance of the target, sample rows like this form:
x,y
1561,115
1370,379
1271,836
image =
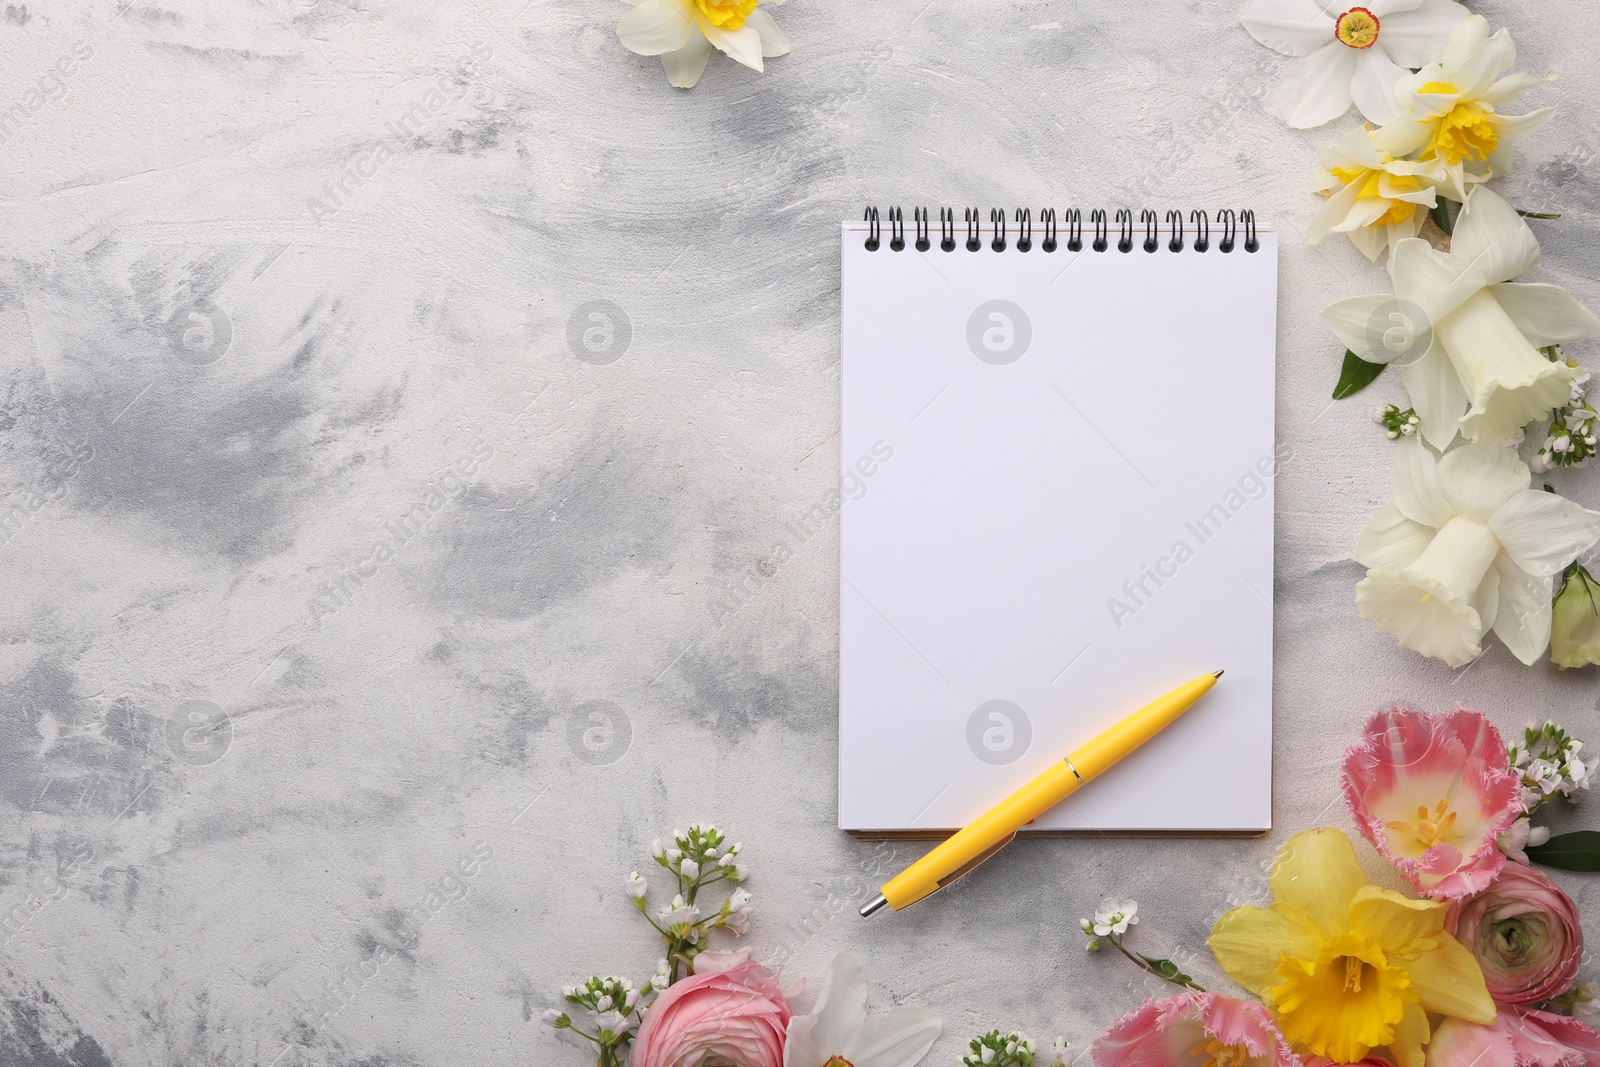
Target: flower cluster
x,y
1433,81
1570,438
697,858
995,1049
610,1012
704,1007
1547,764
1480,969
1395,422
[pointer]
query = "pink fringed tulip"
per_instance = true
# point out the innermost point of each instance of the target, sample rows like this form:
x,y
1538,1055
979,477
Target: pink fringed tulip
x,y
729,1011
1525,933
1521,1037
1431,792
1194,1028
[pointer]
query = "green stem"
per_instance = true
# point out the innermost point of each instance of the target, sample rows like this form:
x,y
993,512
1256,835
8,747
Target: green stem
x,y
1441,217
1538,214
1116,942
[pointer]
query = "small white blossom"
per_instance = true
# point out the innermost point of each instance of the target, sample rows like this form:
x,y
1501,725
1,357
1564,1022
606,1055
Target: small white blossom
x,y
636,886
1114,917
689,869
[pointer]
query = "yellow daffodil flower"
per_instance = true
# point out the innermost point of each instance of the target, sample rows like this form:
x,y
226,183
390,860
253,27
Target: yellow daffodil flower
x,y
1347,966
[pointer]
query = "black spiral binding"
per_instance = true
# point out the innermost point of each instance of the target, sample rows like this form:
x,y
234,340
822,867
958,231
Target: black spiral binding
x,y
1229,221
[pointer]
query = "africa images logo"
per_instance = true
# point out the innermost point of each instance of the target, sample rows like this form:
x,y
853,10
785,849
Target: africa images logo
x,y
999,332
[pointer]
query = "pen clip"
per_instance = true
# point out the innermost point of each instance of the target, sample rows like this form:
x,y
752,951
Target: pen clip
x,y
974,861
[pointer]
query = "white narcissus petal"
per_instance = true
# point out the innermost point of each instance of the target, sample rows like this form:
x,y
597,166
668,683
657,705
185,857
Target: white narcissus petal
x,y
1517,126
1487,602
1374,240
1523,621
1546,314
1292,27
1364,213
1464,40
1384,8
685,65
1491,236
1372,85
1391,541
742,45
655,27
1316,88
1417,37
1332,213
1476,481
1353,321
1542,533
1512,87
1436,395
1437,282
773,42
900,1039
1416,485
1421,614
840,1011
1474,73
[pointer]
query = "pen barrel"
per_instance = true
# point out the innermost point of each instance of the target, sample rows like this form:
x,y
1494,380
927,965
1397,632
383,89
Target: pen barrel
x,y
1096,756
946,860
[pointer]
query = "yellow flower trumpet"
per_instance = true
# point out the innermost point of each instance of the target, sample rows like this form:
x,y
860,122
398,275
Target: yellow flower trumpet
x,y
1345,965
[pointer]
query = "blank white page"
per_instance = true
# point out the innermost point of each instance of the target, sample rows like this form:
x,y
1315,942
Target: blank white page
x,y
1057,508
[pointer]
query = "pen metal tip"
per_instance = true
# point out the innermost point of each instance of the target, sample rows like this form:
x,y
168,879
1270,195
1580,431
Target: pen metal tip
x,y
868,909
1216,674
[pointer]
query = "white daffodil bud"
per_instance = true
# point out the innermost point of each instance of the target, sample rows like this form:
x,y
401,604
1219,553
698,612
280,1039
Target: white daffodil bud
x,y
1575,623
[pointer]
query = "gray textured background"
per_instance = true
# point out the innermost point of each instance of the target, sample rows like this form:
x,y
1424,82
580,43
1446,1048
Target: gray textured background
x,y
196,884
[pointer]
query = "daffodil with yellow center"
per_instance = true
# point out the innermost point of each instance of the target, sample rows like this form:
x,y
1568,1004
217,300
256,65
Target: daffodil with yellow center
x,y
1454,104
1357,28
683,33
1345,965
1374,198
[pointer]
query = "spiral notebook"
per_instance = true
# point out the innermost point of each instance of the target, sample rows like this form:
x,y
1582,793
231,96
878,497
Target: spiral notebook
x,y
1057,477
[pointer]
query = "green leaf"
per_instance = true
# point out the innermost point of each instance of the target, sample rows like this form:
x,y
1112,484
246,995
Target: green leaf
x,y
1441,217
1167,969
1577,851
1355,375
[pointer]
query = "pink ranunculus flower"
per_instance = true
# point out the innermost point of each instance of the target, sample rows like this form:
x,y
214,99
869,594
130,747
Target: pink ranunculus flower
x,y
729,1011
1523,1037
1432,792
1191,1028
1524,931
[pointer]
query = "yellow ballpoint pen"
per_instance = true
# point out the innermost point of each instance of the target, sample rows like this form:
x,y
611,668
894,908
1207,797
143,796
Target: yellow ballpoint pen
x,y
995,828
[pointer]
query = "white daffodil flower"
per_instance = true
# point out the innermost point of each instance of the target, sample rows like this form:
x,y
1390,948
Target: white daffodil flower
x,y
1377,200
1466,546
1467,339
1452,107
839,1030
682,33
1346,54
